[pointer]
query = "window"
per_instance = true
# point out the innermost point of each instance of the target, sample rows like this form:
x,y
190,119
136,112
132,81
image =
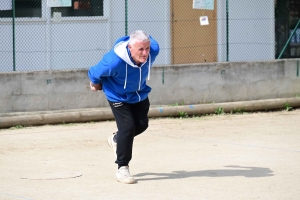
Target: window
x,y
24,8
81,8
294,17
287,16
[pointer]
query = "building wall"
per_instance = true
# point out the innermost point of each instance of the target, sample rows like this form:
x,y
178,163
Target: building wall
x,y
251,30
154,18
79,42
48,44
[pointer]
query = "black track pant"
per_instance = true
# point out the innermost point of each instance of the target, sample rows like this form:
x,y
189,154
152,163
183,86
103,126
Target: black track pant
x,y
131,119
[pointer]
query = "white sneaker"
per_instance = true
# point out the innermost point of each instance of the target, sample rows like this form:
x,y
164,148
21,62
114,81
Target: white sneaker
x,y
123,175
112,144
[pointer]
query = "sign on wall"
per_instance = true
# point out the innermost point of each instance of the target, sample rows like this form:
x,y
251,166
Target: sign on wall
x,y
59,3
203,4
204,20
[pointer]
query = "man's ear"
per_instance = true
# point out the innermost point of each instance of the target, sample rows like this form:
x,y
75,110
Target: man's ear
x,y
129,46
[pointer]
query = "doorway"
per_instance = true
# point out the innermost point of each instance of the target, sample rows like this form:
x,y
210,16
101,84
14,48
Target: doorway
x,y
192,42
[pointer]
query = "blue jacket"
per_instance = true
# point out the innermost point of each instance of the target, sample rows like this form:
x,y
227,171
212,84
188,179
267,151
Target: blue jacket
x,y
122,80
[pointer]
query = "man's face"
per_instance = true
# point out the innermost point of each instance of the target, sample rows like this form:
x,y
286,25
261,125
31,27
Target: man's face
x,y
139,51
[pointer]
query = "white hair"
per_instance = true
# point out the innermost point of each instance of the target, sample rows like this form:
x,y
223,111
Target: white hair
x,y
138,35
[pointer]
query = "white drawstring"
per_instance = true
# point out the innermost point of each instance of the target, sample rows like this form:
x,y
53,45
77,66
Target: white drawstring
x,y
140,78
149,66
125,77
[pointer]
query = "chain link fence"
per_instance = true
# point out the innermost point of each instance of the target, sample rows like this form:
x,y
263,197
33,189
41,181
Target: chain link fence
x,y
74,34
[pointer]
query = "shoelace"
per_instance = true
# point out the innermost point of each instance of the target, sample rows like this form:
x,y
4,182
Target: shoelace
x,y
125,172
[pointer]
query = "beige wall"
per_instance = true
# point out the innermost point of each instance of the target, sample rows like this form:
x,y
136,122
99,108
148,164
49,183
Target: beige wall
x,y
188,84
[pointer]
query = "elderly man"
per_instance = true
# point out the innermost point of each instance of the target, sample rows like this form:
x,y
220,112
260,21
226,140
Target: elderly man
x,y
122,74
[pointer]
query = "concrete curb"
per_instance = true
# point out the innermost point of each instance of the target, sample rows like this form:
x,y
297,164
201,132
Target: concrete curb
x,y
99,114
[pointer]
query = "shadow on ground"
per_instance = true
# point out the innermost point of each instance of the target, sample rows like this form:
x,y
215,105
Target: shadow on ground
x,y
249,172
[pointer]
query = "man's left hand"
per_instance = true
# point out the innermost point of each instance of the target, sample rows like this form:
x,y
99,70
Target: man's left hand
x,y
95,87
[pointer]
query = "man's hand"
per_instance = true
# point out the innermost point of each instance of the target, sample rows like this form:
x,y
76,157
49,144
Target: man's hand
x,y
95,87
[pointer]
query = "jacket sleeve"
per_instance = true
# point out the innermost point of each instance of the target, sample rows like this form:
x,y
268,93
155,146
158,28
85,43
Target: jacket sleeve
x,y
102,69
154,48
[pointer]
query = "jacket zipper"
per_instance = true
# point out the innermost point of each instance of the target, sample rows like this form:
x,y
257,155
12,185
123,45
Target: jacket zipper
x,y
140,68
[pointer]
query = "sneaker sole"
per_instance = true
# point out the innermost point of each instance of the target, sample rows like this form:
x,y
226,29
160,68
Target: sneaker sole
x,y
127,182
110,145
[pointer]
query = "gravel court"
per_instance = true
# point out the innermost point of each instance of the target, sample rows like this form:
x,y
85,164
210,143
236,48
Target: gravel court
x,y
246,156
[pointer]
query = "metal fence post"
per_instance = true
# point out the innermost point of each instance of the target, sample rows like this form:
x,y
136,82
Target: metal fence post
x,y
227,31
126,17
14,38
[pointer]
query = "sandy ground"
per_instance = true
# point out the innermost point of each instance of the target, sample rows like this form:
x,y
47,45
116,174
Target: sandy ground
x,y
246,156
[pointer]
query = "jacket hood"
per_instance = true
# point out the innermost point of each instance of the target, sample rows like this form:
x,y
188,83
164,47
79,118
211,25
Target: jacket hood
x,y
120,49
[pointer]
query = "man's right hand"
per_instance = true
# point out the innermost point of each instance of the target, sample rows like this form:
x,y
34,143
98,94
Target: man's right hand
x,y
95,87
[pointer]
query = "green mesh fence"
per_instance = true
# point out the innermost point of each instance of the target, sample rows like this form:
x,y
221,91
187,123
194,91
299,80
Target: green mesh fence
x,y
74,34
